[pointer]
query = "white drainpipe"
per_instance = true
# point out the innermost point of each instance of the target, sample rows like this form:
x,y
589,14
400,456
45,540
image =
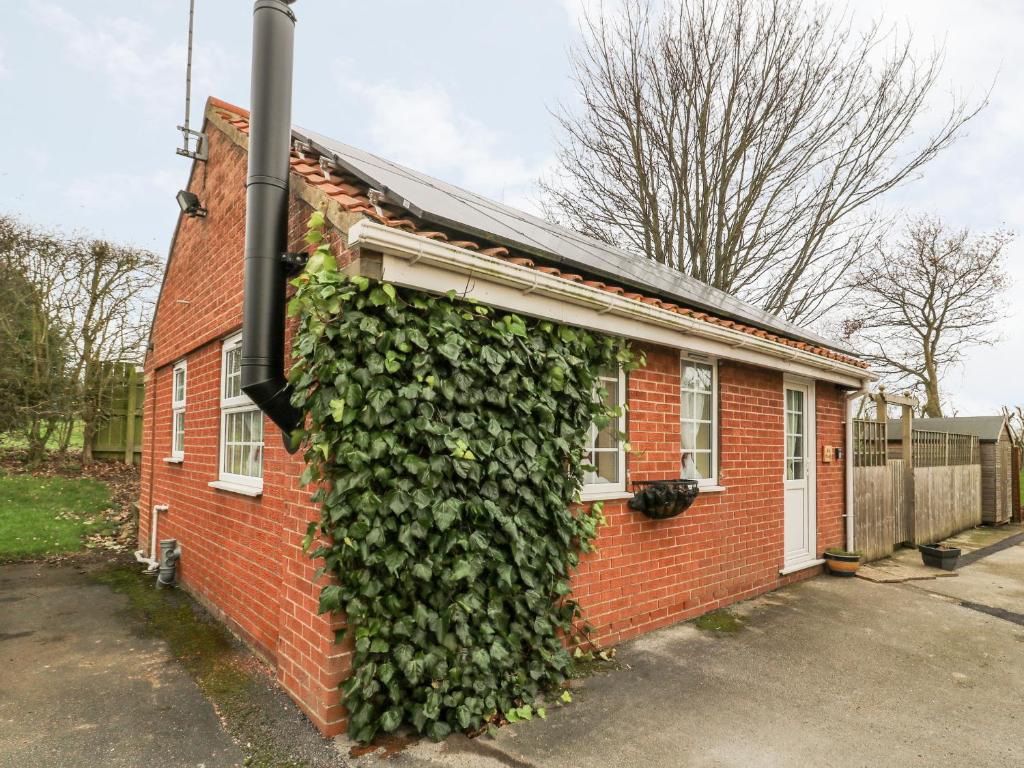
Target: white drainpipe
x,y
151,561
850,397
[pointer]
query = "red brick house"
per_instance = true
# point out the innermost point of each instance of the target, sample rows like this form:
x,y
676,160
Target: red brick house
x,y
752,407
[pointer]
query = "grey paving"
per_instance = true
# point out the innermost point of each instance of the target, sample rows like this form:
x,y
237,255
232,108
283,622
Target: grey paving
x,y
831,672
79,688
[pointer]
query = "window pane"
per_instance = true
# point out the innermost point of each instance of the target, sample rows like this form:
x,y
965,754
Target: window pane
x,y
702,406
606,437
794,469
607,463
704,436
612,388
179,432
696,465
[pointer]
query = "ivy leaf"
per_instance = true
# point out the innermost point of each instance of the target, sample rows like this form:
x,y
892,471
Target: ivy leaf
x,y
338,409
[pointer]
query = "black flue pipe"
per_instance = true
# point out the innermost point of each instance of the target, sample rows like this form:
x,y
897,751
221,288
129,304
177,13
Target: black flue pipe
x,y
266,214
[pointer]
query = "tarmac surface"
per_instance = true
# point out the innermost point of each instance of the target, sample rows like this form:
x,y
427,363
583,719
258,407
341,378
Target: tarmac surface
x,y
78,686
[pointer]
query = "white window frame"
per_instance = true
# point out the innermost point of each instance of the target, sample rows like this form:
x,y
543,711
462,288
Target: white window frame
x,y
597,491
711,362
241,403
178,409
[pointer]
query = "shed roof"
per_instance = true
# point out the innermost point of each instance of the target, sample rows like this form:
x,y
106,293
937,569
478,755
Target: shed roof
x,y
986,428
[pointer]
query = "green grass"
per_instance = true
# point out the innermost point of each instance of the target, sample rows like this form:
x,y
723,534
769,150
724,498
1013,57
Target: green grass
x,y
49,515
18,441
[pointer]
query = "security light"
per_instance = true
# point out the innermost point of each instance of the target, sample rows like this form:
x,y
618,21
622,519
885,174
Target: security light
x,y
189,204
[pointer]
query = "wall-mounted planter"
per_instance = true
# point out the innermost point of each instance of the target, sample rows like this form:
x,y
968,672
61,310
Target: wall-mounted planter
x,y
662,499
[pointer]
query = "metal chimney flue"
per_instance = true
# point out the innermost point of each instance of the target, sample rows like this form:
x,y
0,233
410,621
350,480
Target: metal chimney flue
x,y
266,214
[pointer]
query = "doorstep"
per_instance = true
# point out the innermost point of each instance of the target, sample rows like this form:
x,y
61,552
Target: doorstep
x,y
903,565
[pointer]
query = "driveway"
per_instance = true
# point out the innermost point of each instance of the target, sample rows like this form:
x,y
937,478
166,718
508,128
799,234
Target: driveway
x,y
79,688
830,672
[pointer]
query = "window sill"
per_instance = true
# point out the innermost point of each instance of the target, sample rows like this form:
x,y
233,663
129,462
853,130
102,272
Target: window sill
x,y
244,490
174,460
712,488
799,567
605,495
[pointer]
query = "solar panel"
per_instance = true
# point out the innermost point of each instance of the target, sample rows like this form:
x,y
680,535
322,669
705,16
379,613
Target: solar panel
x,y
447,205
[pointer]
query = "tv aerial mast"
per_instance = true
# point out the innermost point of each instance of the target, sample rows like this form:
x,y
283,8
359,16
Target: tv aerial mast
x,y
193,142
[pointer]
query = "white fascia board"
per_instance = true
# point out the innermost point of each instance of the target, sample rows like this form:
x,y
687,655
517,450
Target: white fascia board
x,y
412,261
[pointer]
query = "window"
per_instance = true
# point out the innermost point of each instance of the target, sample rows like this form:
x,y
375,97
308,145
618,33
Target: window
x,y
794,434
241,425
605,449
699,421
178,411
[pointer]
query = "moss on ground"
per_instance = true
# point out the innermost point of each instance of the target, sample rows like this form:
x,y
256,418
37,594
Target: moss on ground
x,y
720,621
215,660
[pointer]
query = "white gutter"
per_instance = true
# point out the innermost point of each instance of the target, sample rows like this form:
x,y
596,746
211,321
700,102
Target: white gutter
x,y
848,415
140,556
428,265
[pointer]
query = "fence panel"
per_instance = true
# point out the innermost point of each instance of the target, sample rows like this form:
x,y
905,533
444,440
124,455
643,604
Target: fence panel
x,y
119,432
902,523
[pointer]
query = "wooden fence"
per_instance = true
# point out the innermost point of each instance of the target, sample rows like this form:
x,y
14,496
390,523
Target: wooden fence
x,y
119,434
941,497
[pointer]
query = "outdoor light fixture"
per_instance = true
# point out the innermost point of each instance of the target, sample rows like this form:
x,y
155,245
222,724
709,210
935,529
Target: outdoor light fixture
x,y
189,204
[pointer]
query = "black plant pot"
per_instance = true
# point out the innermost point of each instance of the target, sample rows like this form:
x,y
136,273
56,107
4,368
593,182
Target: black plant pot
x,y
936,556
662,499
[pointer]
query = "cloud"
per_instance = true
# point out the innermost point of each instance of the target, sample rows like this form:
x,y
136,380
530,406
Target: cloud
x,y
4,71
129,55
422,127
113,191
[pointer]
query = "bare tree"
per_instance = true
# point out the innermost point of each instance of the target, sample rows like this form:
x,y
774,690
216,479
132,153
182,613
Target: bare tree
x,y
743,142
925,300
34,349
110,320
79,304
1015,419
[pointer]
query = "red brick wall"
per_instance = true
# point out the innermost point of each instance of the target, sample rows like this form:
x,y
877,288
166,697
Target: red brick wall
x,y
729,545
242,556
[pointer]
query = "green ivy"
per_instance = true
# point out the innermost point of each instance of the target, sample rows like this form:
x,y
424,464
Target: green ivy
x,y
446,440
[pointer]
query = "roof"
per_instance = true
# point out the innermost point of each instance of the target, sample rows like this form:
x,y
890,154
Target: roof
x,y
986,428
432,208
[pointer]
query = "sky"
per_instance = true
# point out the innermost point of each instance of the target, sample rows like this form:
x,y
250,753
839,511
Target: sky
x,y
460,89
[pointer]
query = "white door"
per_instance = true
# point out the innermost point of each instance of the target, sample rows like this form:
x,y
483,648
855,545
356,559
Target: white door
x,y
801,520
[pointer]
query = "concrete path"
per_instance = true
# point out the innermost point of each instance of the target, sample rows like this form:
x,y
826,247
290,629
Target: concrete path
x,y
831,672
78,688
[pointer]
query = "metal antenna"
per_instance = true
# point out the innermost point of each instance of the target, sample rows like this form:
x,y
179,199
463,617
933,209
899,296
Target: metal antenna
x,y
188,135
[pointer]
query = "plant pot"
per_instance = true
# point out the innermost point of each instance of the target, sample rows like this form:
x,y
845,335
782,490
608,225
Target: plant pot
x,y
662,499
938,556
844,564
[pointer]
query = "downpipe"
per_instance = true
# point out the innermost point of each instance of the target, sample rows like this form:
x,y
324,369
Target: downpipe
x,y
170,554
140,554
